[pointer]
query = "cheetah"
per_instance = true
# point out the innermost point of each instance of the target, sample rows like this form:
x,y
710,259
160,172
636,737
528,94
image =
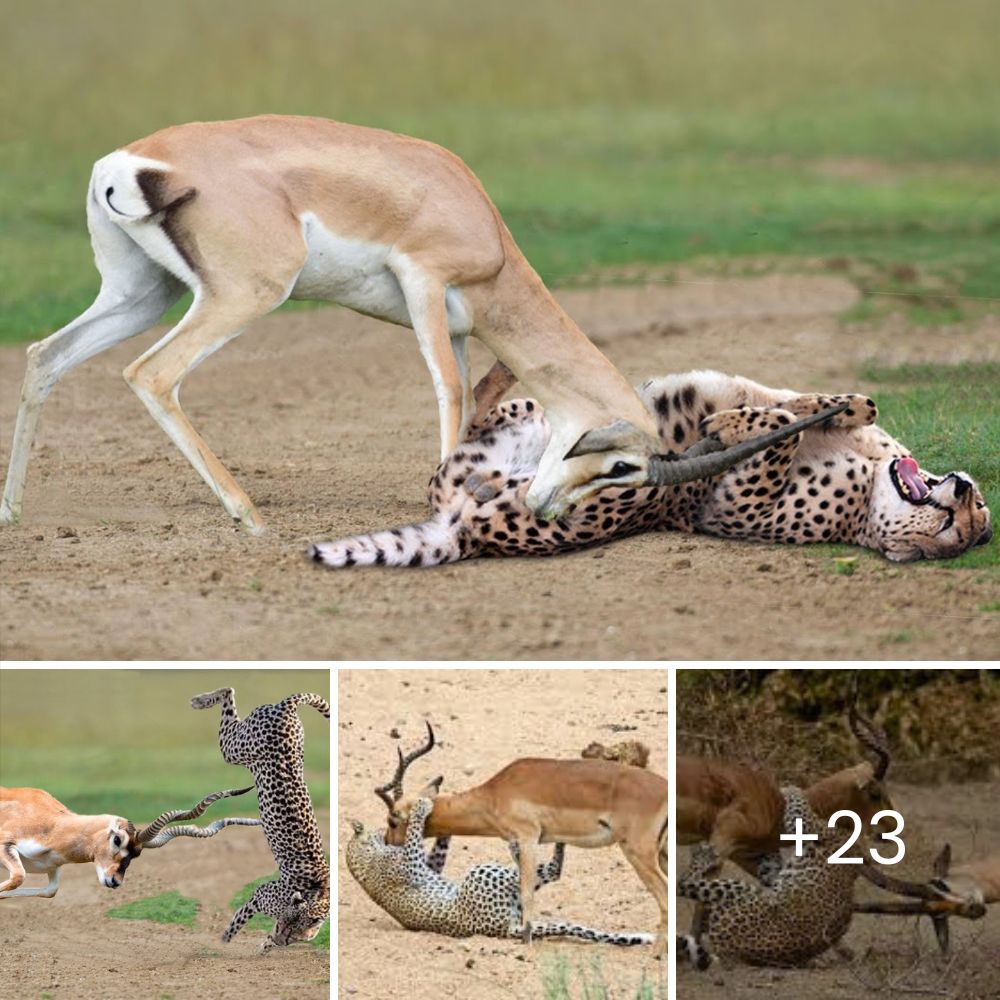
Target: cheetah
x,y
269,742
801,908
411,888
845,481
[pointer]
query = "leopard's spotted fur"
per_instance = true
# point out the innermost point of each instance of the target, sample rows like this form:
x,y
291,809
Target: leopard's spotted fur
x,y
803,908
269,743
840,483
411,888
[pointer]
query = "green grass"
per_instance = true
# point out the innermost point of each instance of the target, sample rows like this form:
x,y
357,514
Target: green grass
x,y
127,741
608,135
167,908
262,922
561,981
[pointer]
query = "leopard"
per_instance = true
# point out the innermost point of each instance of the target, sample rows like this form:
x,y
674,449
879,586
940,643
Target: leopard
x,y
844,481
269,743
802,907
412,888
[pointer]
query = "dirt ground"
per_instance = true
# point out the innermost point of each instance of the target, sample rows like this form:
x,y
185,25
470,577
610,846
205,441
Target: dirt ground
x,y
328,420
893,957
67,949
484,719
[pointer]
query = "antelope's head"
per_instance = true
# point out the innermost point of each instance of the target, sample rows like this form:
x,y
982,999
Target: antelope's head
x,y
391,793
121,841
622,455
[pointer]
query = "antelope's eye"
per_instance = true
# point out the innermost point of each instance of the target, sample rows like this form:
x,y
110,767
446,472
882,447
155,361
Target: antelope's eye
x,y
117,841
620,469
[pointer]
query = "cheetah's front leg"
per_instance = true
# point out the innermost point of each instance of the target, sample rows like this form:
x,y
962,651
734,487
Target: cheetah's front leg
x,y
438,855
861,411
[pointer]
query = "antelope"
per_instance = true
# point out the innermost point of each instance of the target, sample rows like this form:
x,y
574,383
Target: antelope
x,y
976,883
532,801
252,212
38,835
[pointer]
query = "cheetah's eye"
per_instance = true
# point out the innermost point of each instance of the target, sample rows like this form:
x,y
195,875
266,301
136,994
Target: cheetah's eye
x,y
619,470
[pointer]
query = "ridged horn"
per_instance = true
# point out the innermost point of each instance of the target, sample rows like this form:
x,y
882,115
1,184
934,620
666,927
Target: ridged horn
x,y
709,457
395,783
147,836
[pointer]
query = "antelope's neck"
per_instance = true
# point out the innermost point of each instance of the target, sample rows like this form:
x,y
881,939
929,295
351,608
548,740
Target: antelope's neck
x,y
81,836
460,815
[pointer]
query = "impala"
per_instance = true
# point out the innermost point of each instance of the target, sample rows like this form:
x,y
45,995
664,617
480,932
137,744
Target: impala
x,y
252,212
587,803
38,835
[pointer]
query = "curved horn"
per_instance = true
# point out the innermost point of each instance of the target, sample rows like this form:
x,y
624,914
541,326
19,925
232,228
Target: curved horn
x,y
709,457
148,833
395,784
201,831
869,735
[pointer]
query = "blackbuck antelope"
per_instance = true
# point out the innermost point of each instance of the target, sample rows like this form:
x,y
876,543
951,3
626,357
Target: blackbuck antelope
x,y
252,212
38,835
585,803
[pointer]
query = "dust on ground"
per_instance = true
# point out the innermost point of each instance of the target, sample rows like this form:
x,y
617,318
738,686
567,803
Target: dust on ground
x,y
67,948
893,957
328,420
484,719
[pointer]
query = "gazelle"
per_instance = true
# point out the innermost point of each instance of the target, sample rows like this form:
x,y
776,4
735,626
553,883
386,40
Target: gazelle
x,y
249,213
38,835
586,803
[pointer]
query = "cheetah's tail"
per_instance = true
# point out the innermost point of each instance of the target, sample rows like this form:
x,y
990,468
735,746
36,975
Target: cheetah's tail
x,y
559,928
429,544
319,703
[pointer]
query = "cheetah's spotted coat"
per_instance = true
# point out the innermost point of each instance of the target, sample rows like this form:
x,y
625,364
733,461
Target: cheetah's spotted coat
x,y
847,482
269,743
411,888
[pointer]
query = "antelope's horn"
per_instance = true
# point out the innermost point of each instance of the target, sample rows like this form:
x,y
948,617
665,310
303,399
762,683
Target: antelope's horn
x,y
871,736
201,831
395,784
146,835
708,457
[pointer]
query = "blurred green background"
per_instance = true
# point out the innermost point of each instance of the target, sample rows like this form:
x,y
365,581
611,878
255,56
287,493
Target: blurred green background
x,y
638,133
127,742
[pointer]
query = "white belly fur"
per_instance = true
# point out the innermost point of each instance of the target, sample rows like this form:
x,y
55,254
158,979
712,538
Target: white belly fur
x,y
35,858
355,273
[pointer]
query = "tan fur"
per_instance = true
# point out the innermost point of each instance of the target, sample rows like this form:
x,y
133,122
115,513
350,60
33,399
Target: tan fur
x,y
586,803
977,880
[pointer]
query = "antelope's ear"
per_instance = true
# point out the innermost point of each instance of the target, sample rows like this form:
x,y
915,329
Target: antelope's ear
x,y
943,861
619,436
432,788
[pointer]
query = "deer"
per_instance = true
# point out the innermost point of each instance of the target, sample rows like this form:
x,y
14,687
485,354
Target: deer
x,y
249,213
532,801
38,835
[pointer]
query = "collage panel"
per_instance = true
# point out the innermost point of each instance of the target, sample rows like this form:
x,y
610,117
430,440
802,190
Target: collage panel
x,y
482,758
206,887
838,833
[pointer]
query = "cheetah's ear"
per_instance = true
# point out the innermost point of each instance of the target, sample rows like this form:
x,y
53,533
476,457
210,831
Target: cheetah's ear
x,y
432,788
296,898
358,828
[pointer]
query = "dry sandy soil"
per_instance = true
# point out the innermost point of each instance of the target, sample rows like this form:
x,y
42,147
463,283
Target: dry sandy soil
x,y
67,949
485,719
328,421
893,957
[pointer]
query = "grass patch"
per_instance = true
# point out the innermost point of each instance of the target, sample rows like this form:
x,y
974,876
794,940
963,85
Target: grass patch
x,y
757,128
167,908
262,922
939,412
562,981
159,753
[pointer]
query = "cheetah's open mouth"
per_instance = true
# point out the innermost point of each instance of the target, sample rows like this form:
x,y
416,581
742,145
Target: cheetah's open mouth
x,y
911,484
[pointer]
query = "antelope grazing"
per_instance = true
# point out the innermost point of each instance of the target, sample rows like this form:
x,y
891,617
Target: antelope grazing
x,y
249,213
38,835
586,803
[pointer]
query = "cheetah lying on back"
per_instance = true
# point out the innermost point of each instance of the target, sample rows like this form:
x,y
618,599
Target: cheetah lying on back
x,y
269,742
411,888
847,481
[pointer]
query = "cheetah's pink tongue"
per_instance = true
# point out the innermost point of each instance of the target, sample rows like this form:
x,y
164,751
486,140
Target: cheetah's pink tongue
x,y
909,473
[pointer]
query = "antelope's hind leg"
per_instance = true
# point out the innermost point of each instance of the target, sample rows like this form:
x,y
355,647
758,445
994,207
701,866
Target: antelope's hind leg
x,y
135,293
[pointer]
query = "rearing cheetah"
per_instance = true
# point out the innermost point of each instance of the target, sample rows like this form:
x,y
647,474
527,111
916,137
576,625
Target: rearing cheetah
x,y
411,888
269,742
847,481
